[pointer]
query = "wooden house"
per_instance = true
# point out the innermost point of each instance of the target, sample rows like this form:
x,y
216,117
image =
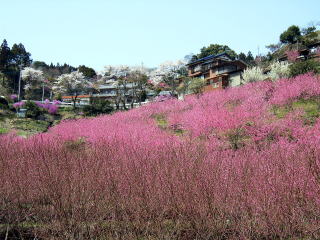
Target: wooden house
x,y
219,71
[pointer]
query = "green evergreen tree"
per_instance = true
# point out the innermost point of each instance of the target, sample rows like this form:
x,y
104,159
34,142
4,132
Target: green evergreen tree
x,y
40,65
87,71
214,49
5,56
20,56
291,35
250,58
242,56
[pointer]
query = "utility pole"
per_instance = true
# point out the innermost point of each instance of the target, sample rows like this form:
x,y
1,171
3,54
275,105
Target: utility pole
x,y
43,91
19,88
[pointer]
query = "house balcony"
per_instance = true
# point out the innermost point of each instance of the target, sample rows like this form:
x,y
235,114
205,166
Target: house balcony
x,y
104,95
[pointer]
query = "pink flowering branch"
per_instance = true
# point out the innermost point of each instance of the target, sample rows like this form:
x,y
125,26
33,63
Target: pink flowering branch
x,y
292,55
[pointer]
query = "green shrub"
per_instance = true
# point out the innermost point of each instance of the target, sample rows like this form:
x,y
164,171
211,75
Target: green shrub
x,y
33,111
98,106
310,65
58,97
3,103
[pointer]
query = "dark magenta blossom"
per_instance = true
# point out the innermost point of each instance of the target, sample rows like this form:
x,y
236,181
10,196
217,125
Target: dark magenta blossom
x,y
18,104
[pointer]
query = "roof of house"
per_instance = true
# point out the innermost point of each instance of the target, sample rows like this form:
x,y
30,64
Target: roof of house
x,y
210,57
113,86
107,86
315,44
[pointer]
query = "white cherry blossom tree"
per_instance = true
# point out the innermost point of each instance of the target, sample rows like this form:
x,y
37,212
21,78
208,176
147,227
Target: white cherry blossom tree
x,y
33,79
169,73
253,74
73,84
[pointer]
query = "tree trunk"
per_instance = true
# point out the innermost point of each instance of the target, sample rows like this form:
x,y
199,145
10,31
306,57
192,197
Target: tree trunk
x,y
74,99
124,104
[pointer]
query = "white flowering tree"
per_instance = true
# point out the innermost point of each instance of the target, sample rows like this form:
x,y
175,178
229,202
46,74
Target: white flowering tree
x,y
169,73
279,70
129,81
116,72
73,84
33,79
139,82
118,76
253,74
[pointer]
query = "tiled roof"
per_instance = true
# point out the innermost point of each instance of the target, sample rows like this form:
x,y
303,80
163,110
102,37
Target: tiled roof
x,y
208,58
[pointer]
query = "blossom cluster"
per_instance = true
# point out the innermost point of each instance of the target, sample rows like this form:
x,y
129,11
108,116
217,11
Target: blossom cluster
x,y
18,104
32,77
73,82
52,108
292,55
13,96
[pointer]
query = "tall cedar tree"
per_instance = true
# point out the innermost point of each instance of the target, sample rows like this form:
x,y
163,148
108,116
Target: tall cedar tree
x,y
214,49
5,56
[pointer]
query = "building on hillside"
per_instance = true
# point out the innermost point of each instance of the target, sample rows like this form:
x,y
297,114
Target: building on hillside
x,y
219,71
83,99
312,51
106,91
111,91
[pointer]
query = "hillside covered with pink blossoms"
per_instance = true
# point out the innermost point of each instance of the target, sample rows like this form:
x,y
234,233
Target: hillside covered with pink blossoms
x,y
241,163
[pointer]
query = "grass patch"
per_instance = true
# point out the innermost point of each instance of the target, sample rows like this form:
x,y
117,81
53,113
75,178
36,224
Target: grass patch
x,y
69,114
311,108
161,121
30,125
26,127
163,124
3,130
281,111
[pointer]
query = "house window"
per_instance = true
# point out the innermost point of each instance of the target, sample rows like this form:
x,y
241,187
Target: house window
x,y
207,67
197,68
215,85
225,69
313,50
